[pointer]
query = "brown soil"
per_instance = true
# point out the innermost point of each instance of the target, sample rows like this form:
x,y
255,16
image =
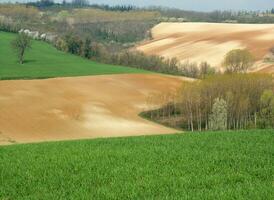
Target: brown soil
x,y
79,107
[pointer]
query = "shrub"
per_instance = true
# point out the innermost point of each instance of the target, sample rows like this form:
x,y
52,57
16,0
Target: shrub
x,y
61,45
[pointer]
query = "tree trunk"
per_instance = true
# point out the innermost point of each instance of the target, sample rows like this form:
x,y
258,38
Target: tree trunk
x,y
21,56
191,122
255,120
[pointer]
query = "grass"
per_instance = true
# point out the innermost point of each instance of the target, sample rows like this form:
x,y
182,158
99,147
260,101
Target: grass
x,y
212,165
44,61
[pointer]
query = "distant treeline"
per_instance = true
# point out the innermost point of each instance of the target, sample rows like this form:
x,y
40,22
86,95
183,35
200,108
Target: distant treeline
x,y
46,4
192,16
219,16
171,13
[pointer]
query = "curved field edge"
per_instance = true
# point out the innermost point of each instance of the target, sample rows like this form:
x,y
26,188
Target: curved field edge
x,y
79,107
222,165
44,61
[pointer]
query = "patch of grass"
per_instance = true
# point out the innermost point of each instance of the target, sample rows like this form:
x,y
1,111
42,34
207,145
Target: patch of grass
x,y
44,61
211,165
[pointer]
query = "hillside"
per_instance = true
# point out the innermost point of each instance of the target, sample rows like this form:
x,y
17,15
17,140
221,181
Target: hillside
x,y
79,107
120,102
44,61
198,42
212,165
72,107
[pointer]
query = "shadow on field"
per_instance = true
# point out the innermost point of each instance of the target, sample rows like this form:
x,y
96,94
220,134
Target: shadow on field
x,y
29,61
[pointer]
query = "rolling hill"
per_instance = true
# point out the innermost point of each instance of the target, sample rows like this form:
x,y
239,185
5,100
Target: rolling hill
x,y
72,128
198,42
73,107
44,61
79,107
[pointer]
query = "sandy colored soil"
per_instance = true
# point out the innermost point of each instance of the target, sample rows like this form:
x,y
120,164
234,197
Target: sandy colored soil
x,y
198,42
263,67
268,69
79,107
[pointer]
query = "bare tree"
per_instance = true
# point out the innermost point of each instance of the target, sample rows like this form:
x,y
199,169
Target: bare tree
x,y
20,44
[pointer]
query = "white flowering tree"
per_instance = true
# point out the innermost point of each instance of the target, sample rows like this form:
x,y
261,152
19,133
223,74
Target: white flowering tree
x,y
218,117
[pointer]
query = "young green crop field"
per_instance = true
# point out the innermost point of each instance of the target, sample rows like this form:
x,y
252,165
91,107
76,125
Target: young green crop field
x,y
211,165
44,61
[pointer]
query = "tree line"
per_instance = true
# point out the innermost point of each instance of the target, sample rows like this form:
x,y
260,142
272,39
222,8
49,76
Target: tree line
x,y
235,61
219,102
47,4
218,16
100,52
121,32
239,60
214,16
91,50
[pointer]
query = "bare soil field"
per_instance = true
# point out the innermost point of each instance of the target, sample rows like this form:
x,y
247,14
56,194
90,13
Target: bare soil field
x,y
268,69
198,42
79,107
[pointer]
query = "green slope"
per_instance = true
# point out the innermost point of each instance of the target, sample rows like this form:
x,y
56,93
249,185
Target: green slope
x,y
212,165
44,61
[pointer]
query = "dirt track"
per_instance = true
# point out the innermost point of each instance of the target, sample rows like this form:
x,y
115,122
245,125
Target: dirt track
x,y
80,107
198,42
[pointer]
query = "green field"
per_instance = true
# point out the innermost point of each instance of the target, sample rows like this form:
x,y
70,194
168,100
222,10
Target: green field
x,y
44,61
211,165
